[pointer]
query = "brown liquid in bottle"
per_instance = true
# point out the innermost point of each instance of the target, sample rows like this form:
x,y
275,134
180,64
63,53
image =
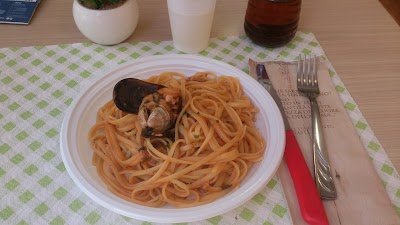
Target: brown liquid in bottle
x,y
272,23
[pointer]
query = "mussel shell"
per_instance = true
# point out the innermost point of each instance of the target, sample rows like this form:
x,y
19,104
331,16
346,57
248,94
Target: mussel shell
x,y
129,93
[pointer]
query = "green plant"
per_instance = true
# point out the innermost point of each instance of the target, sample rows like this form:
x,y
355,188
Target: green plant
x,y
101,4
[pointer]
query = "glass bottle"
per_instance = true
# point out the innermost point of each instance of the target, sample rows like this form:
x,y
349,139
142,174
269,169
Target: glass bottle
x,y
272,23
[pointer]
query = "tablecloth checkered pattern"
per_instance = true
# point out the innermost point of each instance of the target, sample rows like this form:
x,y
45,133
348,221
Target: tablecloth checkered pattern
x,y
38,84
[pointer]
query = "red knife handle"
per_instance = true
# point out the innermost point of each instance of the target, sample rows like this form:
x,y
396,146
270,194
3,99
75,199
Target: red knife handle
x,y
311,207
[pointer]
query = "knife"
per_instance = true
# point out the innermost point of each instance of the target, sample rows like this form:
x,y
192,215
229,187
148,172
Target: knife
x,y
310,203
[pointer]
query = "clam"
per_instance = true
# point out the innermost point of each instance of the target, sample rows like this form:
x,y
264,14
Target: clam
x,y
157,106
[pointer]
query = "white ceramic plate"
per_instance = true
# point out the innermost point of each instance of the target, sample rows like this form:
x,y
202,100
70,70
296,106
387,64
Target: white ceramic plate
x,y
77,155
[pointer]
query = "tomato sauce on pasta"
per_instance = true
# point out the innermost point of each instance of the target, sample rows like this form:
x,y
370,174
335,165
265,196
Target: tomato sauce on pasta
x,y
216,143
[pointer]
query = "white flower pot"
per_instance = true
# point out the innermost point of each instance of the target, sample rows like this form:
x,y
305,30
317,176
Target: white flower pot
x,y
107,27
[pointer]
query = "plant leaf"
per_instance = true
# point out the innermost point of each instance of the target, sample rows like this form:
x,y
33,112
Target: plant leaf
x,y
99,3
91,4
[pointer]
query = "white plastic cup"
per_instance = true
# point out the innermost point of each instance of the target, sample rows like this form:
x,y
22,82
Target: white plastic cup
x,y
191,22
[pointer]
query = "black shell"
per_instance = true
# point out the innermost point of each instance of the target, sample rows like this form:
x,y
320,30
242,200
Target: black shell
x,y
129,93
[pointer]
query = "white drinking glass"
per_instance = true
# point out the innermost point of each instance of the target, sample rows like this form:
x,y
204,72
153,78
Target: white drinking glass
x,y
191,22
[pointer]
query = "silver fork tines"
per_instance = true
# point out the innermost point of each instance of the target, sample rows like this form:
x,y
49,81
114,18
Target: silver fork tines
x,y
305,77
307,84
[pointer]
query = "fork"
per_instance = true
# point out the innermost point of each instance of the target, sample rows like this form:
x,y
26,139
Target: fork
x,y
307,84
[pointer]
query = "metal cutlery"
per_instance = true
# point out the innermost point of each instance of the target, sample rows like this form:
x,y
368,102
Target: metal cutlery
x,y
307,84
311,207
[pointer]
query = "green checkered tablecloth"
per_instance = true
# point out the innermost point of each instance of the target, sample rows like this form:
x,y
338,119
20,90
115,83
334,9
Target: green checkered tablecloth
x,y
37,84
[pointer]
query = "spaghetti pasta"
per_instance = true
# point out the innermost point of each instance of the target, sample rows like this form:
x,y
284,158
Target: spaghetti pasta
x,y
216,143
